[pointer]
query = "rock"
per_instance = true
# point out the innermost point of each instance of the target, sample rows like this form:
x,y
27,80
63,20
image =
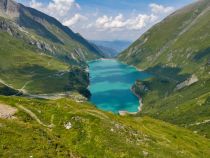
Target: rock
x,y
188,82
145,153
68,125
170,56
9,8
38,45
76,118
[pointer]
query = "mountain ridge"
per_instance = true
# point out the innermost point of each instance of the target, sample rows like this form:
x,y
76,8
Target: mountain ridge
x,y
30,19
39,48
176,52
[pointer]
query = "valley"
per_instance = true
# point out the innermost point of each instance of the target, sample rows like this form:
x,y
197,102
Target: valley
x,y
63,96
110,85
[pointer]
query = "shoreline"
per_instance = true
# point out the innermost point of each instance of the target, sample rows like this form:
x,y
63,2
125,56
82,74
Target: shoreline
x,y
123,113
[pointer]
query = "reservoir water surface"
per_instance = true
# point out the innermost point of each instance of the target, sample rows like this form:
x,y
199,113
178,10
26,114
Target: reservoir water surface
x,y
110,85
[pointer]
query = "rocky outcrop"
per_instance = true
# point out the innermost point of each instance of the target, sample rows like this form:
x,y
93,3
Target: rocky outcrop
x,y
9,27
41,45
14,30
188,82
139,88
9,8
68,125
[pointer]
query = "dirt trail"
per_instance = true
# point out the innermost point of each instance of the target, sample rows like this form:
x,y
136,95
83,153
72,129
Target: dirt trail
x,y
6,111
23,88
35,117
200,123
1,81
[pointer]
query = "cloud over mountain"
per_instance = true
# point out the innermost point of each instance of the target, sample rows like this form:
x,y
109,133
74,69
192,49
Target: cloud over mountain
x,y
63,10
73,20
102,20
136,22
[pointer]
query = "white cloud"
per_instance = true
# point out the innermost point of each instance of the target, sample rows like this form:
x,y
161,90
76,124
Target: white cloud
x,y
75,19
35,4
56,8
141,21
160,9
63,10
119,22
137,22
106,22
95,25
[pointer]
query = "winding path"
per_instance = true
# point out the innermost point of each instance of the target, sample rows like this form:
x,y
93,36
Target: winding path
x,y
35,117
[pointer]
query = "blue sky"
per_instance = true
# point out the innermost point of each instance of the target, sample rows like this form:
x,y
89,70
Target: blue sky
x,y
108,19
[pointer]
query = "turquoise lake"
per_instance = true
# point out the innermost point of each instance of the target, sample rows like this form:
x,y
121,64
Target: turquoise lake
x,y
110,84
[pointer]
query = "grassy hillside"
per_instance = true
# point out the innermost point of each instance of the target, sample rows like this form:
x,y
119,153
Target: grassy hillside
x,y
180,41
38,130
61,41
25,68
177,52
39,55
45,33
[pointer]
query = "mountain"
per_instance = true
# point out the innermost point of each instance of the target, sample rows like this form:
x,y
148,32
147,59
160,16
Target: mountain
x,y
107,52
43,73
176,51
112,48
45,32
42,55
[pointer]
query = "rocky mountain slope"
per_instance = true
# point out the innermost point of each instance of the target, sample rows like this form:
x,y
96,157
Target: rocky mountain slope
x,y
38,54
45,33
176,51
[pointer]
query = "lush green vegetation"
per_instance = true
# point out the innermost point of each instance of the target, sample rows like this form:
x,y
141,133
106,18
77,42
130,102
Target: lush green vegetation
x,y
188,107
38,130
39,55
179,43
63,43
38,58
174,50
27,69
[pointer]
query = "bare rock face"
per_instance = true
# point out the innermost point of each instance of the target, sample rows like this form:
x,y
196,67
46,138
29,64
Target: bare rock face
x,y
9,9
188,82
